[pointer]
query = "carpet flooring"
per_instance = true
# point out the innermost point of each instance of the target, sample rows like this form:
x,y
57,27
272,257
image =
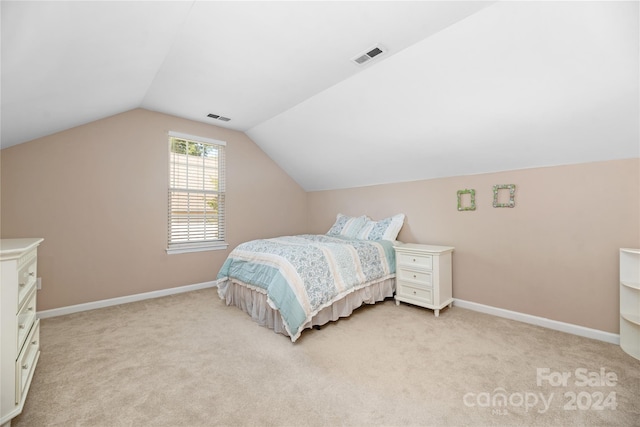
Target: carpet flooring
x,y
189,360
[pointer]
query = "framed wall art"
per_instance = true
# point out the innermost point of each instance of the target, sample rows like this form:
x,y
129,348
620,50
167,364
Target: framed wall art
x,y
466,200
504,195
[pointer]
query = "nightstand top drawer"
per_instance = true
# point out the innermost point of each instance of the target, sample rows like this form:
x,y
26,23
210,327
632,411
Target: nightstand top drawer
x,y
414,260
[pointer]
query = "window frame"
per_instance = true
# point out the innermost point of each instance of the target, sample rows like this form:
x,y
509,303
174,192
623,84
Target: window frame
x,y
174,247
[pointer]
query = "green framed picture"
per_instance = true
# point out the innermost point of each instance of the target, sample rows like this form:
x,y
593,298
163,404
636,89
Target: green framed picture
x,y
466,200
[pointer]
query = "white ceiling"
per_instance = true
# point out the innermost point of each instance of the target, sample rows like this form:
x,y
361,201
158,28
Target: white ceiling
x,y
464,87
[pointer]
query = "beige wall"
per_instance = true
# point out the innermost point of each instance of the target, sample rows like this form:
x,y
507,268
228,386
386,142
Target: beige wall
x,y
555,255
97,194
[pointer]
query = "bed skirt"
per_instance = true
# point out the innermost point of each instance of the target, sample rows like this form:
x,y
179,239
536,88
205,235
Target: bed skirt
x,y
255,303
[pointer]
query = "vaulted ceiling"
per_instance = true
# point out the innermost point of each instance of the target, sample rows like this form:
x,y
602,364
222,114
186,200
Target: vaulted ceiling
x,y
461,88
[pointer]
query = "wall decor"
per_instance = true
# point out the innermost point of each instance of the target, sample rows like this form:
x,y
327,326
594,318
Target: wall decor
x,y
503,188
466,203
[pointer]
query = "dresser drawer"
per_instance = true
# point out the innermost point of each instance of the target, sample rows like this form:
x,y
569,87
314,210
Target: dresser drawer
x,y
26,276
421,277
26,318
416,293
27,360
424,261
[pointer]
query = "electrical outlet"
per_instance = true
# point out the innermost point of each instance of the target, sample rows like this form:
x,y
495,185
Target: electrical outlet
x,y
39,283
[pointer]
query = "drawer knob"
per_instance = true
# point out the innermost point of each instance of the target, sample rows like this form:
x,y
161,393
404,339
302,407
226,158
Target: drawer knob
x,y
414,276
34,342
21,326
25,366
414,260
31,273
30,308
414,292
22,285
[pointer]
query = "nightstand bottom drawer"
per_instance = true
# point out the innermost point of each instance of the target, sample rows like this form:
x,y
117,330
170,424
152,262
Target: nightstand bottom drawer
x,y
415,293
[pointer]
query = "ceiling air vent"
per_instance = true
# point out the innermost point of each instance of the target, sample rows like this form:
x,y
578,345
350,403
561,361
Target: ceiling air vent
x,y
218,117
368,55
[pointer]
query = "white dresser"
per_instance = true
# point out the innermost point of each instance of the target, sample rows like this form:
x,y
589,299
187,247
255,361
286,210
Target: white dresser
x,y
20,337
423,275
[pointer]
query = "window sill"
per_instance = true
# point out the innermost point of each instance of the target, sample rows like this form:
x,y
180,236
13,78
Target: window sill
x,y
197,247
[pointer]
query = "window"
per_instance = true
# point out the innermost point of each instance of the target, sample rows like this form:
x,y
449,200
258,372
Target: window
x,y
196,194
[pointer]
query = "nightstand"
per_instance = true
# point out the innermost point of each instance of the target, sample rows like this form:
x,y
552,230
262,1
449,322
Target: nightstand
x,y
423,275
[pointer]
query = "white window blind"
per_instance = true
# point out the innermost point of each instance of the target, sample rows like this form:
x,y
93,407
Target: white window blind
x,y
196,194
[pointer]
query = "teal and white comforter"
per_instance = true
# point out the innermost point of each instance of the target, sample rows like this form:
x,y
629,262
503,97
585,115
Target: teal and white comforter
x,y
303,274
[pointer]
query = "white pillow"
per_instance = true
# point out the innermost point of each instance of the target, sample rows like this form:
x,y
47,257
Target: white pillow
x,y
347,226
385,229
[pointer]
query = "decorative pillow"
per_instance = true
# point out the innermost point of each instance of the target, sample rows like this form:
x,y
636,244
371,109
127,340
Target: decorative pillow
x,y
347,226
385,229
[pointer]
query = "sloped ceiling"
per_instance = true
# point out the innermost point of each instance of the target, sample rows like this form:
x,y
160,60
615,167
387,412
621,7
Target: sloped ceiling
x,y
463,87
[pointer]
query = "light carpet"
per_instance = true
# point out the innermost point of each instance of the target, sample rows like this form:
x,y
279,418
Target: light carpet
x,y
189,360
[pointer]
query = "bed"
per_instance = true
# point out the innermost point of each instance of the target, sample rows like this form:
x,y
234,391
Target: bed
x,y
292,283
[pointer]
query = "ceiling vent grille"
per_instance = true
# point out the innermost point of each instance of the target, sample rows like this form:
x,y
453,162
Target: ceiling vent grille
x,y
218,117
367,56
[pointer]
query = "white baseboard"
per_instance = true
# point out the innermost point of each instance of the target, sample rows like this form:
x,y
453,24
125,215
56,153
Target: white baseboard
x,y
499,312
123,300
541,321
